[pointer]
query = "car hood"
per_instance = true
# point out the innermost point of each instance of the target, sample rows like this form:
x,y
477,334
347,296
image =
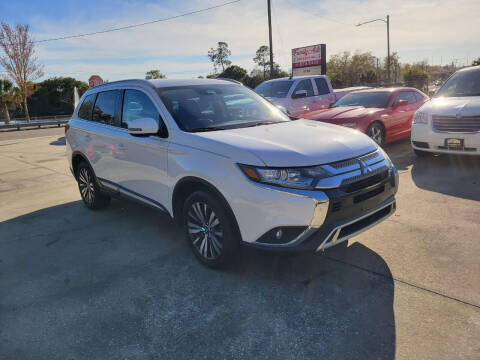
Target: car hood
x,y
453,106
341,113
293,143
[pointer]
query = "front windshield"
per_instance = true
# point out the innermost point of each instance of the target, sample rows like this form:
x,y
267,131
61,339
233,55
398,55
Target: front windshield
x,y
217,107
276,89
377,99
463,83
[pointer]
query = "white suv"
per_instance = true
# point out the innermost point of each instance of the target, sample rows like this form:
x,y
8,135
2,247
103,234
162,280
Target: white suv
x,y
450,122
226,164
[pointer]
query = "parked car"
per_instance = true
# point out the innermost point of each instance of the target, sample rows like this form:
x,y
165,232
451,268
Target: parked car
x,y
383,114
301,94
229,166
450,122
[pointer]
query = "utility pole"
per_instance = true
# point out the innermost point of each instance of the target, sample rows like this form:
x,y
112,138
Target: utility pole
x,y
388,50
270,36
377,74
387,21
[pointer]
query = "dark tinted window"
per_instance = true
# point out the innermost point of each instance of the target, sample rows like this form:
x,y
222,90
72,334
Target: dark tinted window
x,y
86,108
322,86
419,96
366,99
408,96
215,107
137,105
104,110
278,88
305,85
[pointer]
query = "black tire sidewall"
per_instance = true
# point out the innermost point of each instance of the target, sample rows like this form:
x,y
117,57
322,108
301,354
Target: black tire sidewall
x,y
227,223
100,200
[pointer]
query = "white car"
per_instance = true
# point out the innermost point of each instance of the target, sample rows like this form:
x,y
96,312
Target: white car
x,y
226,164
302,94
450,122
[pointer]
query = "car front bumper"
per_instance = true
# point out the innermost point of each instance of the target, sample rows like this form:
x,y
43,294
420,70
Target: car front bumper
x,y
337,215
424,138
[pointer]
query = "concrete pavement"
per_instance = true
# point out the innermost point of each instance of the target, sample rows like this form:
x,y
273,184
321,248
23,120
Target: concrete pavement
x,y
122,283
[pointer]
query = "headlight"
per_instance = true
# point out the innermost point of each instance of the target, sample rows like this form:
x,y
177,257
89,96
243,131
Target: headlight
x,y
303,178
420,117
350,125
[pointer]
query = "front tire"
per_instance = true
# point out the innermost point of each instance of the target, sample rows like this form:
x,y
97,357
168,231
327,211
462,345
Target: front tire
x,y
377,133
90,192
210,229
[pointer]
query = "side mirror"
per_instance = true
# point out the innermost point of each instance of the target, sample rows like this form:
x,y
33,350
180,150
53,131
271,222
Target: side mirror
x,y
143,126
299,94
400,104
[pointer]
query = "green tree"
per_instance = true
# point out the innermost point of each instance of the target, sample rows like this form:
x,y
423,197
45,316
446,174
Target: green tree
x,y
262,58
476,62
10,96
54,96
345,69
154,74
416,76
219,56
234,72
19,58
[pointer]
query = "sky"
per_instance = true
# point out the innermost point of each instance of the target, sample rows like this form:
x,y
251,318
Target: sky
x,y
438,31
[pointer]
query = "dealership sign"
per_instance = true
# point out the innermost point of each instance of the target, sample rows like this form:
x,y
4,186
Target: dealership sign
x,y
309,60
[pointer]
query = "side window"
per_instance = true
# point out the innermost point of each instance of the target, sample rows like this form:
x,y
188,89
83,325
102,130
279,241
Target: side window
x,y
407,96
104,109
322,86
419,96
306,85
136,105
86,108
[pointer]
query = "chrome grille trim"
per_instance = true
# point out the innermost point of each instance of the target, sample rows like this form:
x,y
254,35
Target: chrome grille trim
x,y
352,170
461,124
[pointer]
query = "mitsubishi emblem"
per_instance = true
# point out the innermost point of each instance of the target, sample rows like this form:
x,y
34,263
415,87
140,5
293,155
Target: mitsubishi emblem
x,y
364,168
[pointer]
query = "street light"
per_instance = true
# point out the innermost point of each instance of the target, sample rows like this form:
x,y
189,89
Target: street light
x,y
388,41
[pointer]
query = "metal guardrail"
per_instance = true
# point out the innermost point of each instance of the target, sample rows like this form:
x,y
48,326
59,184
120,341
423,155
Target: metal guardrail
x,y
35,122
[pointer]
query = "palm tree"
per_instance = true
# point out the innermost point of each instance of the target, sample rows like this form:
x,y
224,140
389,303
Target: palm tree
x,y
9,96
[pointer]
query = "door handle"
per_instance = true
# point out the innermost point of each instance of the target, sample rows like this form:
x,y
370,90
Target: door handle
x,y
121,147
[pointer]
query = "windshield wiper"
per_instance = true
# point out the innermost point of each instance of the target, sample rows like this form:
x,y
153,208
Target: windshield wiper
x,y
263,123
208,128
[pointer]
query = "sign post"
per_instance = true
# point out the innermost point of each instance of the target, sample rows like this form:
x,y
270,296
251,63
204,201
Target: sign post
x,y
309,60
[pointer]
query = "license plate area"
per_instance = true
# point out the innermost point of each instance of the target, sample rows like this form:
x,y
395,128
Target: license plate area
x,y
454,143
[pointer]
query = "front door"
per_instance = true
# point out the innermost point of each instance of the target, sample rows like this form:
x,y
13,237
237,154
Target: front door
x,y
303,104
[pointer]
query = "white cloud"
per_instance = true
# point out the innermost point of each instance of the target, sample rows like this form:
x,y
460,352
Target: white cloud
x,y
444,29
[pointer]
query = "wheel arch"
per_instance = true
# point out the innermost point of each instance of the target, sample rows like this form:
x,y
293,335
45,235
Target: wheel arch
x,y
187,186
77,158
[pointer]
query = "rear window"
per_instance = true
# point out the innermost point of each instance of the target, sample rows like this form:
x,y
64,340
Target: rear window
x,y
276,89
86,108
322,86
104,110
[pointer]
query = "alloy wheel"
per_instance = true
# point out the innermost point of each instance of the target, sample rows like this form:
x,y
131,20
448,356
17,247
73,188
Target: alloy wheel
x,y
376,134
205,231
86,185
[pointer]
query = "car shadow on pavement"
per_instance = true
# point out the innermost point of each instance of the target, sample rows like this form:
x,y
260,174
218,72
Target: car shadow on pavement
x,y
457,176
59,142
123,283
401,154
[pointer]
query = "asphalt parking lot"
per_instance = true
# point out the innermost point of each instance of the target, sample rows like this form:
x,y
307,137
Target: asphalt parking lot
x,y
122,283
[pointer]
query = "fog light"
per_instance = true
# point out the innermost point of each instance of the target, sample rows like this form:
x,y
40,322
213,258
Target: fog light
x,y
278,234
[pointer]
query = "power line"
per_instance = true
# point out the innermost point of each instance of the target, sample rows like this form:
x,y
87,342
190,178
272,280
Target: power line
x,y
138,25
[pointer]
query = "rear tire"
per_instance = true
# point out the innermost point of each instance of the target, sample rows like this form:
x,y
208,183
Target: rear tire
x,y
91,194
210,229
376,133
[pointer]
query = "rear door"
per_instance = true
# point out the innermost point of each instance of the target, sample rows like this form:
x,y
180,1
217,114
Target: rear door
x,y
141,169
301,105
323,97
101,144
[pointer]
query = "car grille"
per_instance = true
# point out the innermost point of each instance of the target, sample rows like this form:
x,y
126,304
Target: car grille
x,y
463,124
356,174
